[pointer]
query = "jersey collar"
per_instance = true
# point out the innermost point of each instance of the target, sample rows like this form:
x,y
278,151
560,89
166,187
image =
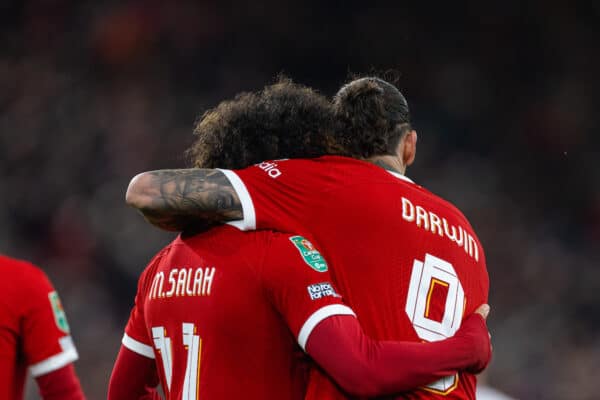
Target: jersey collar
x,y
400,176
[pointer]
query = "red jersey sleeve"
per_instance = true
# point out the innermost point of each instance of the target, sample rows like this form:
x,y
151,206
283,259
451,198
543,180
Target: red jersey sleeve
x,y
47,344
270,198
133,377
297,281
136,336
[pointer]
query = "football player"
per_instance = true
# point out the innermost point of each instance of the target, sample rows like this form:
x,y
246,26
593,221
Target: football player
x,y
407,261
34,335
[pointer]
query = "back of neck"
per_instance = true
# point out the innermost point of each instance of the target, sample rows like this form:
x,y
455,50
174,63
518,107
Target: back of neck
x,y
390,163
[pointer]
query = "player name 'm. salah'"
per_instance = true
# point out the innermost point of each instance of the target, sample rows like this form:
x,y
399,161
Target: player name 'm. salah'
x,y
182,282
434,224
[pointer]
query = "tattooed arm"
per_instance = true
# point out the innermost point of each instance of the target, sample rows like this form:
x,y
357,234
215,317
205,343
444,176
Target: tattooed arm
x,y
178,199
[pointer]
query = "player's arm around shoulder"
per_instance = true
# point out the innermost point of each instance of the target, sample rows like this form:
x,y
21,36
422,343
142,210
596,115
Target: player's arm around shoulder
x,y
300,286
175,199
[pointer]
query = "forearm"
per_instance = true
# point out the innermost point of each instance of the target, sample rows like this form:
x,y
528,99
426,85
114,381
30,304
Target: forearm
x,y
61,384
365,367
133,377
178,199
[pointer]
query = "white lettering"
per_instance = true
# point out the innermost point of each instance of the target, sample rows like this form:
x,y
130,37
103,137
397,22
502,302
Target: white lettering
x,y
270,168
157,286
208,279
198,282
188,290
435,223
451,236
422,220
460,241
473,245
408,210
172,282
431,222
274,173
181,283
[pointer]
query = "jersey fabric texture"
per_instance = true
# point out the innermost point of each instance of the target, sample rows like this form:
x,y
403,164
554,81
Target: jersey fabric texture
x,y
225,314
34,332
407,261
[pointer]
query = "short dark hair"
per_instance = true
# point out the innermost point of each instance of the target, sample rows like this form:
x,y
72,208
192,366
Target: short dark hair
x,y
371,116
284,120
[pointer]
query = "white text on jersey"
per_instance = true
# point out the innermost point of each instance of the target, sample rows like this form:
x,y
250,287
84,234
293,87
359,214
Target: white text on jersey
x,y
183,282
434,224
270,167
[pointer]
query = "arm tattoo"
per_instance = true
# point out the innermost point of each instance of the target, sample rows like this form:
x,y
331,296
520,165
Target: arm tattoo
x,y
182,198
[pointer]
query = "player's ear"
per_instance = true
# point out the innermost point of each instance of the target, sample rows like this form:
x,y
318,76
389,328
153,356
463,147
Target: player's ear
x,y
409,147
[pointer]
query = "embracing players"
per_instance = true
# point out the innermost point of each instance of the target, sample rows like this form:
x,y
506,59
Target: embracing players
x,y
408,262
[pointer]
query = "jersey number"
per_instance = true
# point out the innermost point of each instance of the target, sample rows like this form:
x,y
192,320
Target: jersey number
x,y
425,276
193,344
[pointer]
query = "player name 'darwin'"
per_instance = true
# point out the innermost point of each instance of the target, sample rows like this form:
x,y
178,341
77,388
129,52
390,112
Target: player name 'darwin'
x,y
433,223
182,282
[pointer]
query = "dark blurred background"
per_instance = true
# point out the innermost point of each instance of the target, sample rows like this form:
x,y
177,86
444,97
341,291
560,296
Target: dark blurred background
x,y
502,96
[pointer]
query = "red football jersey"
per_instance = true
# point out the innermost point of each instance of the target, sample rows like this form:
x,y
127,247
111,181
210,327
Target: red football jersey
x,y
225,314
408,262
34,332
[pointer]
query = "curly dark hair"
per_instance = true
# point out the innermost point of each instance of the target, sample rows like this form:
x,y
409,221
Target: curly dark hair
x,y
284,120
371,116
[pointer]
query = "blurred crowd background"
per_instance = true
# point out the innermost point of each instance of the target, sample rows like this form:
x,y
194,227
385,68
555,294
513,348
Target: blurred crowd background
x,y
503,96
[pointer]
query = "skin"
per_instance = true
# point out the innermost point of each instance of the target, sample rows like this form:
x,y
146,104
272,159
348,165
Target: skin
x,y
178,199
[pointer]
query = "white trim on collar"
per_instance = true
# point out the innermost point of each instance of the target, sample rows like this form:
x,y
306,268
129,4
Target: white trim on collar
x,y
400,176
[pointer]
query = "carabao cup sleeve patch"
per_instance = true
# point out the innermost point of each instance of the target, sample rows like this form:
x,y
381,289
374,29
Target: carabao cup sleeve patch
x,y
59,313
309,253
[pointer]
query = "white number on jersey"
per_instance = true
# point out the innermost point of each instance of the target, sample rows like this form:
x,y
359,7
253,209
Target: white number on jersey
x,y
193,344
425,276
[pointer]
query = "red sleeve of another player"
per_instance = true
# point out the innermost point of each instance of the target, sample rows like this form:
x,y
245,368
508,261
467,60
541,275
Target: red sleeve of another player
x,y
298,283
136,336
47,344
271,195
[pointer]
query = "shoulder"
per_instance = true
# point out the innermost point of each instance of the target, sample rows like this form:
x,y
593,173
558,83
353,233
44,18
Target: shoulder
x,y
450,206
433,198
227,244
24,286
16,264
21,272
295,249
277,168
148,272
226,237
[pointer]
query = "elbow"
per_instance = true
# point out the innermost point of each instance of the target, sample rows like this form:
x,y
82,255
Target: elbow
x,y
136,191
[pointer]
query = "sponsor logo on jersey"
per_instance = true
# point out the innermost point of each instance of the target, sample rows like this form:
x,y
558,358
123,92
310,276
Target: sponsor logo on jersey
x,y
309,253
59,313
320,290
270,167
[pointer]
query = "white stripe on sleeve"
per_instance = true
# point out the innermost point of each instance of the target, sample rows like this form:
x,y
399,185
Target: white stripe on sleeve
x,y
318,316
249,221
57,361
137,347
